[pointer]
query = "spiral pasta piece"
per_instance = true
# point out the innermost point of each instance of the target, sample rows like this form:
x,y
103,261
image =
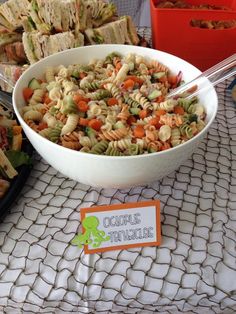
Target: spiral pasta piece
x,y
71,124
113,135
49,119
143,101
33,115
122,144
99,147
37,97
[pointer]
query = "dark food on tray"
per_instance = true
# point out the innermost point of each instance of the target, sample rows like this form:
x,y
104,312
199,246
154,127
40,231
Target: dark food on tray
x,y
11,156
213,24
32,30
209,24
180,4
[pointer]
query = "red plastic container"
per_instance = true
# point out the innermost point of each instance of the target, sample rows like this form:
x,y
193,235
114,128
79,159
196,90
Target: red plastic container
x,y
173,33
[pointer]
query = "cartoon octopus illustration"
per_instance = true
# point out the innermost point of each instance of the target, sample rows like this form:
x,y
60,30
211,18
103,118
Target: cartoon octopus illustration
x,y
91,235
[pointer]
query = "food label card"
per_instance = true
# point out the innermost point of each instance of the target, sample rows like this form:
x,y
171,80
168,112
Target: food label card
x,y
122,226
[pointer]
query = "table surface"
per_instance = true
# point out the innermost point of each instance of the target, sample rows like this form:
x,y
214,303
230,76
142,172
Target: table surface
x,y
193,271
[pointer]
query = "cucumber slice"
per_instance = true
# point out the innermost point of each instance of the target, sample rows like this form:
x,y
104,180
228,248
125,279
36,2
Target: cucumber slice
x,y
34,84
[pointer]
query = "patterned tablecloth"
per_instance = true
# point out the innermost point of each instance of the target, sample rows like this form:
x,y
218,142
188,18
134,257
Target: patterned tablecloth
x,y
193,271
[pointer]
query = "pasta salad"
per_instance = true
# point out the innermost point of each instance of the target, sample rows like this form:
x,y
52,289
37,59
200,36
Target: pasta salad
x,y
11,155
115,106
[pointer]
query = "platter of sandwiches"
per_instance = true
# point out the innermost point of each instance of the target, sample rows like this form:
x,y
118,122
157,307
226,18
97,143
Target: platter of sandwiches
x,y
32,30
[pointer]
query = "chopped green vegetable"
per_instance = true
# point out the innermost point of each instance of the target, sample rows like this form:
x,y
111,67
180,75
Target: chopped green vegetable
x,y
154,94
18,158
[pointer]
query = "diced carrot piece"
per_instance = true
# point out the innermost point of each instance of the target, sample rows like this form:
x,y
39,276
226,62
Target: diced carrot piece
x,y
27,93
179,110
155,122
128,84
82,106
160,98
139,131
143,114
160,112
135,79
78,97
83,121
172,79
95,124
112,101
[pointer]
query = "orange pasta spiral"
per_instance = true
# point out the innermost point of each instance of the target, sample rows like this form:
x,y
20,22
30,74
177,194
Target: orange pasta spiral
x,y
113,135
71,141
32,124
124,114
61,117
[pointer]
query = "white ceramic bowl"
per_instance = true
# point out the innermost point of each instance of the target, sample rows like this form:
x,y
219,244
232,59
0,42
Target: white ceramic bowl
x,y
109,171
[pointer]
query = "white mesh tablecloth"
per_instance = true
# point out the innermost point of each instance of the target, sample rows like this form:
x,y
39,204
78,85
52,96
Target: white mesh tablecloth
x,y
193,271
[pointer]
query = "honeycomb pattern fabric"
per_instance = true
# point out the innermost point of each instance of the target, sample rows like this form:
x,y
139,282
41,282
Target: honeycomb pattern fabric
x,y
193,271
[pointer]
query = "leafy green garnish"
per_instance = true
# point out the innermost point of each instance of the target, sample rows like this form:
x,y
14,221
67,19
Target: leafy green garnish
x,y
18,158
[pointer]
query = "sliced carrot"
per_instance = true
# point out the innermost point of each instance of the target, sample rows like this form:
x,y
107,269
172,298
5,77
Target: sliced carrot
x,y
135,79
139,131
27,93
17,129
82,106
179,110
42,126
112,101
160,99
78,97
160,112
143,114
172,79
95,124
83,121
131,120
155,122
128,84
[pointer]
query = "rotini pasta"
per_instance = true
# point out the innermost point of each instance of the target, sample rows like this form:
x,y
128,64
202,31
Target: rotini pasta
x,y
116,107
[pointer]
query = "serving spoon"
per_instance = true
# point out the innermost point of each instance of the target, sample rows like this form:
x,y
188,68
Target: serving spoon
x,y
216,74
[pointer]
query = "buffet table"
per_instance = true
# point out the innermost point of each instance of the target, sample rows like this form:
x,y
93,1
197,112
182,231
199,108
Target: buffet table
x,y
193,271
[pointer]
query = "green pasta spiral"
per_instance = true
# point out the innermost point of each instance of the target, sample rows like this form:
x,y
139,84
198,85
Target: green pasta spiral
x,y
55,133
92,86
99,95
111,151
68,105
186,130
131,102
99,148
188,104
134,149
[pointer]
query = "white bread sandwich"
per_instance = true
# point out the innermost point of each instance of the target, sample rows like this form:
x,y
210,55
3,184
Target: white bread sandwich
x,y
38,45
53,16
8,37
12,12
116,32
12,72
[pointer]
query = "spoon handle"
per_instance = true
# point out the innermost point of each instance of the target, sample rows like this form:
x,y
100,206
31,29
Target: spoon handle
x,y
216,74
